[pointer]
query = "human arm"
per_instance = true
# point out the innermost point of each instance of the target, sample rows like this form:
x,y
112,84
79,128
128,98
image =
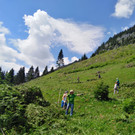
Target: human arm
x,y
79,94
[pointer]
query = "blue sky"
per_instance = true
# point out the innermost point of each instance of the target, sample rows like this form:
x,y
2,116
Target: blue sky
x,y
32,32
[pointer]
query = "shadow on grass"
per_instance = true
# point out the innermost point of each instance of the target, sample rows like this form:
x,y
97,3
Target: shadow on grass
x,y
110,100
75,82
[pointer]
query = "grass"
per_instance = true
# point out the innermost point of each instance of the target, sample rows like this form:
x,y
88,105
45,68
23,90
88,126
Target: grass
x,y
92,116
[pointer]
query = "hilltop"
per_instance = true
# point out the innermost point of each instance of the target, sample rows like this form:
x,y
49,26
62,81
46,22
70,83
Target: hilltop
x,y
121,39
92,116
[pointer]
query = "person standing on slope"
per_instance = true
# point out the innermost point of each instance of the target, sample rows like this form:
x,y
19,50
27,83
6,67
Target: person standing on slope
x,y
118,82
64,100
71,97
116,88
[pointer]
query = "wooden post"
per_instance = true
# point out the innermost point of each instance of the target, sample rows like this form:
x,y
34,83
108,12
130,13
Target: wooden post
x,y
2,131
59,96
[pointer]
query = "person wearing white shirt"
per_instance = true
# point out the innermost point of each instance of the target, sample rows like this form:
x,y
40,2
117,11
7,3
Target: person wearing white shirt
x,y
116,88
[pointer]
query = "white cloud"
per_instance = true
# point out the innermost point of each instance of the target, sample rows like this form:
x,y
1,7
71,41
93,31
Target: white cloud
x,y
8,56
3,29
124,28
6,66
124,8
79,38
132,23
73,59
67,61
46,32
109,33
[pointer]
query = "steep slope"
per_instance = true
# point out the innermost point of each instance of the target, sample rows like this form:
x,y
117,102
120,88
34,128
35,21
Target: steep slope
x,y
92,116
121,39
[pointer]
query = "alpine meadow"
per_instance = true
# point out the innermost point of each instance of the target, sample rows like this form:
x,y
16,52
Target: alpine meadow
x,y
34,107
92,116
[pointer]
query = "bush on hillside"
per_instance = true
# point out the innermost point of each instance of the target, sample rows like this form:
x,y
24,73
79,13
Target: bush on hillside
x,y
33,95
101,92
38,115
35,115
13,104
129,106
128,84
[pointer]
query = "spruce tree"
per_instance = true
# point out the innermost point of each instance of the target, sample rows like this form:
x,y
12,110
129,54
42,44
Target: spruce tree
x,y
11,74
37,72
1,76
52,69
9,77
20,76
60,61
31,74
45,72
84,57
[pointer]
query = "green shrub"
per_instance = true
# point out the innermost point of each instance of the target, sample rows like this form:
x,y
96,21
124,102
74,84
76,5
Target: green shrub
x,y
33,95
129,105
132,58
101,92
38,115
128,84
14,104
35,115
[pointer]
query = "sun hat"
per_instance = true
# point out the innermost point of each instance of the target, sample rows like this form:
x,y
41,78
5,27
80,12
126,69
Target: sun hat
x,y
71,91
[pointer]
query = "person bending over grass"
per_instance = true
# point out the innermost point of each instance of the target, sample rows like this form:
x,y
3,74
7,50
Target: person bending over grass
x,y
71,97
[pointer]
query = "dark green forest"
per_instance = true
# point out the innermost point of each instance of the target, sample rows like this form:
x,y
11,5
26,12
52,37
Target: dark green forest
x,y
121,39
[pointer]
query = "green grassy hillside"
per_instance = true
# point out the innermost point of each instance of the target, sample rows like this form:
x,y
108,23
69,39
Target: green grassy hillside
x,y
92,116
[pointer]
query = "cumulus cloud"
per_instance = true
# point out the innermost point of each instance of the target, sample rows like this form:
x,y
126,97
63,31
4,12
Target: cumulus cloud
x,y
3,29
132,23
79,38
124,28
124,8
67,61
8,56
46,32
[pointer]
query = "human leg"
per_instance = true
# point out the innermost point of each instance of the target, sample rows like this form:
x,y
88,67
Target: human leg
x,y
67,108
65,105
62,103
72,108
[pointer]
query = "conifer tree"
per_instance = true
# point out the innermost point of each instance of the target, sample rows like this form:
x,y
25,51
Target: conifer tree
x,y
45,72
9,77
31,74
2,76
52,69
84,57
20,76
60,61
11,74
37,72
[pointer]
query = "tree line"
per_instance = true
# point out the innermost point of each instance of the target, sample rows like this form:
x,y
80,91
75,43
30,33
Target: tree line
x,y
11,78
121,39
